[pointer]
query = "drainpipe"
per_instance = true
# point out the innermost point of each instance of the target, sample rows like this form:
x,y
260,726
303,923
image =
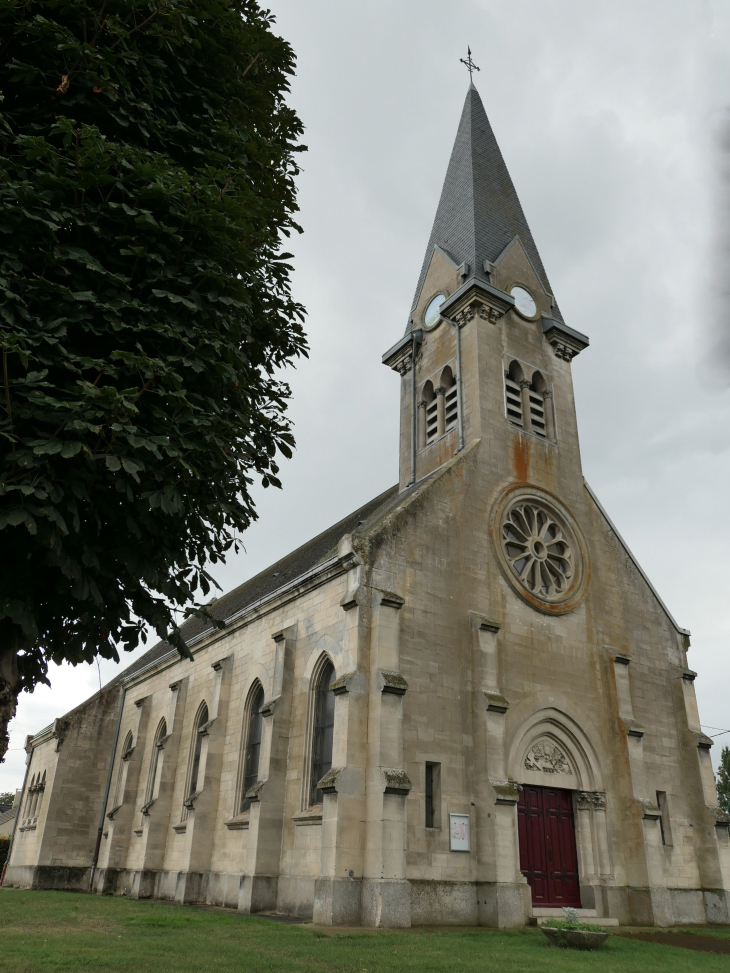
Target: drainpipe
x,y
17,815
459,407
106,791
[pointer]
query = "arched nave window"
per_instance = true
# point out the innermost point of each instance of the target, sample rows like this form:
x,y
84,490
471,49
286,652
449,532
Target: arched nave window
x,y
125,752
200,722
160,735
323,730
252,750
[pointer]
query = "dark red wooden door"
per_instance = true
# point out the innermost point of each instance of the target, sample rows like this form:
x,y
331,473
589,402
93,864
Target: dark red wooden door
x,y
548,856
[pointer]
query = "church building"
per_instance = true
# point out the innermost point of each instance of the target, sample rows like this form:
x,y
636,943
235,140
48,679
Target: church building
x,y
463,704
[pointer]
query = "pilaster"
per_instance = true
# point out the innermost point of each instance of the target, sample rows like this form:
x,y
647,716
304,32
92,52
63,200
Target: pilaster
x,y
202,807
502,893
337,890
386,894
259,888
155,818
121,817
711,836
649,899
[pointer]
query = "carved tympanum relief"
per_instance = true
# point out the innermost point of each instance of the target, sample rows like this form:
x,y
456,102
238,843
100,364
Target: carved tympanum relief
x,y
547,757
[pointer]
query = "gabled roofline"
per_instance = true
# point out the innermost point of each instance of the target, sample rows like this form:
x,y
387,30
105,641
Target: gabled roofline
x,y
446,256
518,239
619,538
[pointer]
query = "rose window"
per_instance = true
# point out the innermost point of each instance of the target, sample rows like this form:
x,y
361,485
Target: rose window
x,y
537,550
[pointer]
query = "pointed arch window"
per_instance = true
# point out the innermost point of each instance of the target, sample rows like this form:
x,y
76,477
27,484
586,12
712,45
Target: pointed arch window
x,y
121,774
323,730
154,780
202,719
34,800
253,744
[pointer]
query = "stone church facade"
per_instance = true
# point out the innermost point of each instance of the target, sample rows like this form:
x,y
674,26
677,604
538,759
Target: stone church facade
x,y
465,703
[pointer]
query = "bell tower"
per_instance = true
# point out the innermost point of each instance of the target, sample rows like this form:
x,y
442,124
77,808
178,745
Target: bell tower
x,y
486,353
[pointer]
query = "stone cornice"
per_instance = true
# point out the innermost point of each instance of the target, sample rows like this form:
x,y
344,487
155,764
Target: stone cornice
x,y
566,342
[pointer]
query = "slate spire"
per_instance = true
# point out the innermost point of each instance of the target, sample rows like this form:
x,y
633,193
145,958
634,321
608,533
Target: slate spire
x,y
479,212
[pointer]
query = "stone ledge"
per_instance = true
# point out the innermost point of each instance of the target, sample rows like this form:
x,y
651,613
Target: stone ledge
x,y
634,728
704,742
238,823
312,815
396,781
496,702
253,794
507,791
390,681
649,809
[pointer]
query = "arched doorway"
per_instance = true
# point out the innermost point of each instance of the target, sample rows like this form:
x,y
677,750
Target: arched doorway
x,y
561,810
548,850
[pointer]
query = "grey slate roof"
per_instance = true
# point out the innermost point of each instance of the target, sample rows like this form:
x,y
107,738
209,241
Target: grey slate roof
x,y
288,569
303,559
7,816
478,213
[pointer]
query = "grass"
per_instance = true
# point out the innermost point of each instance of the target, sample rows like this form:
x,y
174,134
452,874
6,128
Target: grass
x,y
50,931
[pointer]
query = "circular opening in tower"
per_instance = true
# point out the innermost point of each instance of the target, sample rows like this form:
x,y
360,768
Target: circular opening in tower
x,y
524,302
431,317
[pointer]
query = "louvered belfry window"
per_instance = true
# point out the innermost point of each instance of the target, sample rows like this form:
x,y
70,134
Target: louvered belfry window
x,y
537,414
439,410
525,388
431,421
451,406
514,400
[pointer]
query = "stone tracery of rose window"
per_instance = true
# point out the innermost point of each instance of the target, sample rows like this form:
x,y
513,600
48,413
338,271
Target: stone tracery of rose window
x,y
537,550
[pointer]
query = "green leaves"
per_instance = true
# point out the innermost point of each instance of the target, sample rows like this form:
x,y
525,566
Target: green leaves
x,y
144,309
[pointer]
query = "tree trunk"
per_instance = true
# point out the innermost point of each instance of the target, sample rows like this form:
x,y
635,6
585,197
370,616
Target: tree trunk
x,y
9,686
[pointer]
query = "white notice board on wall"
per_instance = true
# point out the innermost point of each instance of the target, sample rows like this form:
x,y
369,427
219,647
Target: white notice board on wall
x,y
459,833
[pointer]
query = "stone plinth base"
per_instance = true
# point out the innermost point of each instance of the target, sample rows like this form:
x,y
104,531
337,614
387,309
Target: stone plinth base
x,y
443,903
336,902
191,887
61,877
503,906
385,903
258,893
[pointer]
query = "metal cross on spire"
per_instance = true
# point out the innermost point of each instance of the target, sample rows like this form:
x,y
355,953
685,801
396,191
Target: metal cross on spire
x,y
469,63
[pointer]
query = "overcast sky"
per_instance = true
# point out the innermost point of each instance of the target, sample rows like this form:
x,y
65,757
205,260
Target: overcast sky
x,y
609,117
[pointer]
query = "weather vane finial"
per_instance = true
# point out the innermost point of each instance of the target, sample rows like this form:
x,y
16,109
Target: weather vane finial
x,y
469,63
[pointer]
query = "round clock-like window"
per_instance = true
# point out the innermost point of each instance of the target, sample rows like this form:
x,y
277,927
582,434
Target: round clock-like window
x,y
524,302
540,549
431,317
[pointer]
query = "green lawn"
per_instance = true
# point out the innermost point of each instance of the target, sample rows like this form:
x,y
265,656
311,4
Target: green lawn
x,y
42,931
